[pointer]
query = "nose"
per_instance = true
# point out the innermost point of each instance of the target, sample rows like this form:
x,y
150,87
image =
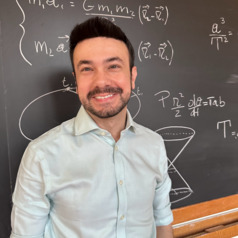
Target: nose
x,y
101,78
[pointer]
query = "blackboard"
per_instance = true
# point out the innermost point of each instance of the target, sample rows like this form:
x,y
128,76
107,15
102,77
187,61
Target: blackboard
x,y
187,85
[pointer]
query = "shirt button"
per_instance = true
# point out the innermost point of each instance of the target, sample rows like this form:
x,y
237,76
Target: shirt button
x,y
121,182
116,148
103,133
122,217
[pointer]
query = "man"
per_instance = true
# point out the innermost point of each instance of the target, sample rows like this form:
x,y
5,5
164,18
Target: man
x,y
99,174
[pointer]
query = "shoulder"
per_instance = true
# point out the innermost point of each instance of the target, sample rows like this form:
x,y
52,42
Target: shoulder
x,y
54,136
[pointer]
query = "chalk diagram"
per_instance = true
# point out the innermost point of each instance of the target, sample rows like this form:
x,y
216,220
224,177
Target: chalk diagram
x,y
134,107
176,139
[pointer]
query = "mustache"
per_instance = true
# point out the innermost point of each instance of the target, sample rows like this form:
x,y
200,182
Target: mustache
x,y
107,89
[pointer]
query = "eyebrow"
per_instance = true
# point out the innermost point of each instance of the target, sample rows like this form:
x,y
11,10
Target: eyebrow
x,y
90,62
81,62
113,59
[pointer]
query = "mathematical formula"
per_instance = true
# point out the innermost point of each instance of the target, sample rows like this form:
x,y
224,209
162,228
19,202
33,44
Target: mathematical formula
x,y
179,103
219,36
62,46
226,129
144,13
164,51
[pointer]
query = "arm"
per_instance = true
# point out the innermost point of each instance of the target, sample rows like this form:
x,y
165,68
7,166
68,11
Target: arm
x,y
30,204
162,207
164,231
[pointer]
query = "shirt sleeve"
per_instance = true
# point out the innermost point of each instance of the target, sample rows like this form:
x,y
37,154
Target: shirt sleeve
x,y
30,203
162,207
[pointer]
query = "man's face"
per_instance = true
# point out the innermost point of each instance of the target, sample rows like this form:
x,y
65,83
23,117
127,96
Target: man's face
x,y
104,80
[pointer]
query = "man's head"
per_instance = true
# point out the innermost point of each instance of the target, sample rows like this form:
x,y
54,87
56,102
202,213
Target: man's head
x,y
99,27
103,63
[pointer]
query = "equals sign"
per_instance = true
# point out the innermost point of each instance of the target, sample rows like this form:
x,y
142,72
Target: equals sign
x,y
72,4
205,103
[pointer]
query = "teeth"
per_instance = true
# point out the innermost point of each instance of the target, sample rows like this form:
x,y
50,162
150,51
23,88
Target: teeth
x,y
100,97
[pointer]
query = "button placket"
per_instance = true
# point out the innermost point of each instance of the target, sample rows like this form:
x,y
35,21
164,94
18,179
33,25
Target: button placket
x,y
122,199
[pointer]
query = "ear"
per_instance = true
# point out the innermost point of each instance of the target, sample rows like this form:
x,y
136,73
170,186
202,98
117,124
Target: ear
x,y
133,77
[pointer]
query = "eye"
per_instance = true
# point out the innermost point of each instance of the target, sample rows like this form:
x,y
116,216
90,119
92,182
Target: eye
x,y
86,69
114,66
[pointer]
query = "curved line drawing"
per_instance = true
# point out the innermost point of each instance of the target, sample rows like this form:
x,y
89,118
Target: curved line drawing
x,y
140,15
172,134
46,94
167,11
67,89
23,34
138,99
180,199
172,52
139,51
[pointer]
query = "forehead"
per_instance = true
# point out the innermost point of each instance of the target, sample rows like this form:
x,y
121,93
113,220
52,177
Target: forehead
x,y
100,48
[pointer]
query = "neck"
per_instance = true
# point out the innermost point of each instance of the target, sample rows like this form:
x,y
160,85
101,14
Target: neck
x,y
114,124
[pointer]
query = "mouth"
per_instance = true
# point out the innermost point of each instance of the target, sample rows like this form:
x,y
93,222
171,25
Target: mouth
x,y
104,93
104,97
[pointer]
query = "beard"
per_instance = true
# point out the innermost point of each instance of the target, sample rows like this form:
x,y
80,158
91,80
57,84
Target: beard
x,y
108,110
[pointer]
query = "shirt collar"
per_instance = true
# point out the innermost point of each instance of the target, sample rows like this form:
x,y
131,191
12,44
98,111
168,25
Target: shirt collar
x,y
84,123
130,124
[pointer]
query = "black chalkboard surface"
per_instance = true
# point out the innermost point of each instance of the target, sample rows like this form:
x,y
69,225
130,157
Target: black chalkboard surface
x,y
187,85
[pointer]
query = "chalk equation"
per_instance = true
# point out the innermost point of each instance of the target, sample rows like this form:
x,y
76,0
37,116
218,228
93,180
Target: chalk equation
x,y
176,139
218,36
145,13
142,13
42,47
69,87
164,51
224,127
193,105
103,10
48,3
159,13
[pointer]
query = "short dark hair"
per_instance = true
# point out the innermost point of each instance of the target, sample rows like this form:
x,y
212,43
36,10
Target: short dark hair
x,y
99,27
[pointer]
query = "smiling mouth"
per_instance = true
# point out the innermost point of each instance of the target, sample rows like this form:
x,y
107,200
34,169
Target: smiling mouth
x,y
104,97
109,91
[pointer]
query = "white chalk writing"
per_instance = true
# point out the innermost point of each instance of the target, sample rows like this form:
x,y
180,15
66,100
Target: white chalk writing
x,y
193,105
117,11
218,36
164,51
179,137
42,47
224,126
159,13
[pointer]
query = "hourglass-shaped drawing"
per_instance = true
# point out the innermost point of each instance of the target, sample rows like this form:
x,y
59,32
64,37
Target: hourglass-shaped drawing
x,y
176,139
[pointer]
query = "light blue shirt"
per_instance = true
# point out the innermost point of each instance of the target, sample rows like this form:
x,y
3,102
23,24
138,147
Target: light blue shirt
x,y
75,181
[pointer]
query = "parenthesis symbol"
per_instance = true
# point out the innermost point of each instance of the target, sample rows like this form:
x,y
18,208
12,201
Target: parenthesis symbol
x,y
139,13
139,51
167,11
172,52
